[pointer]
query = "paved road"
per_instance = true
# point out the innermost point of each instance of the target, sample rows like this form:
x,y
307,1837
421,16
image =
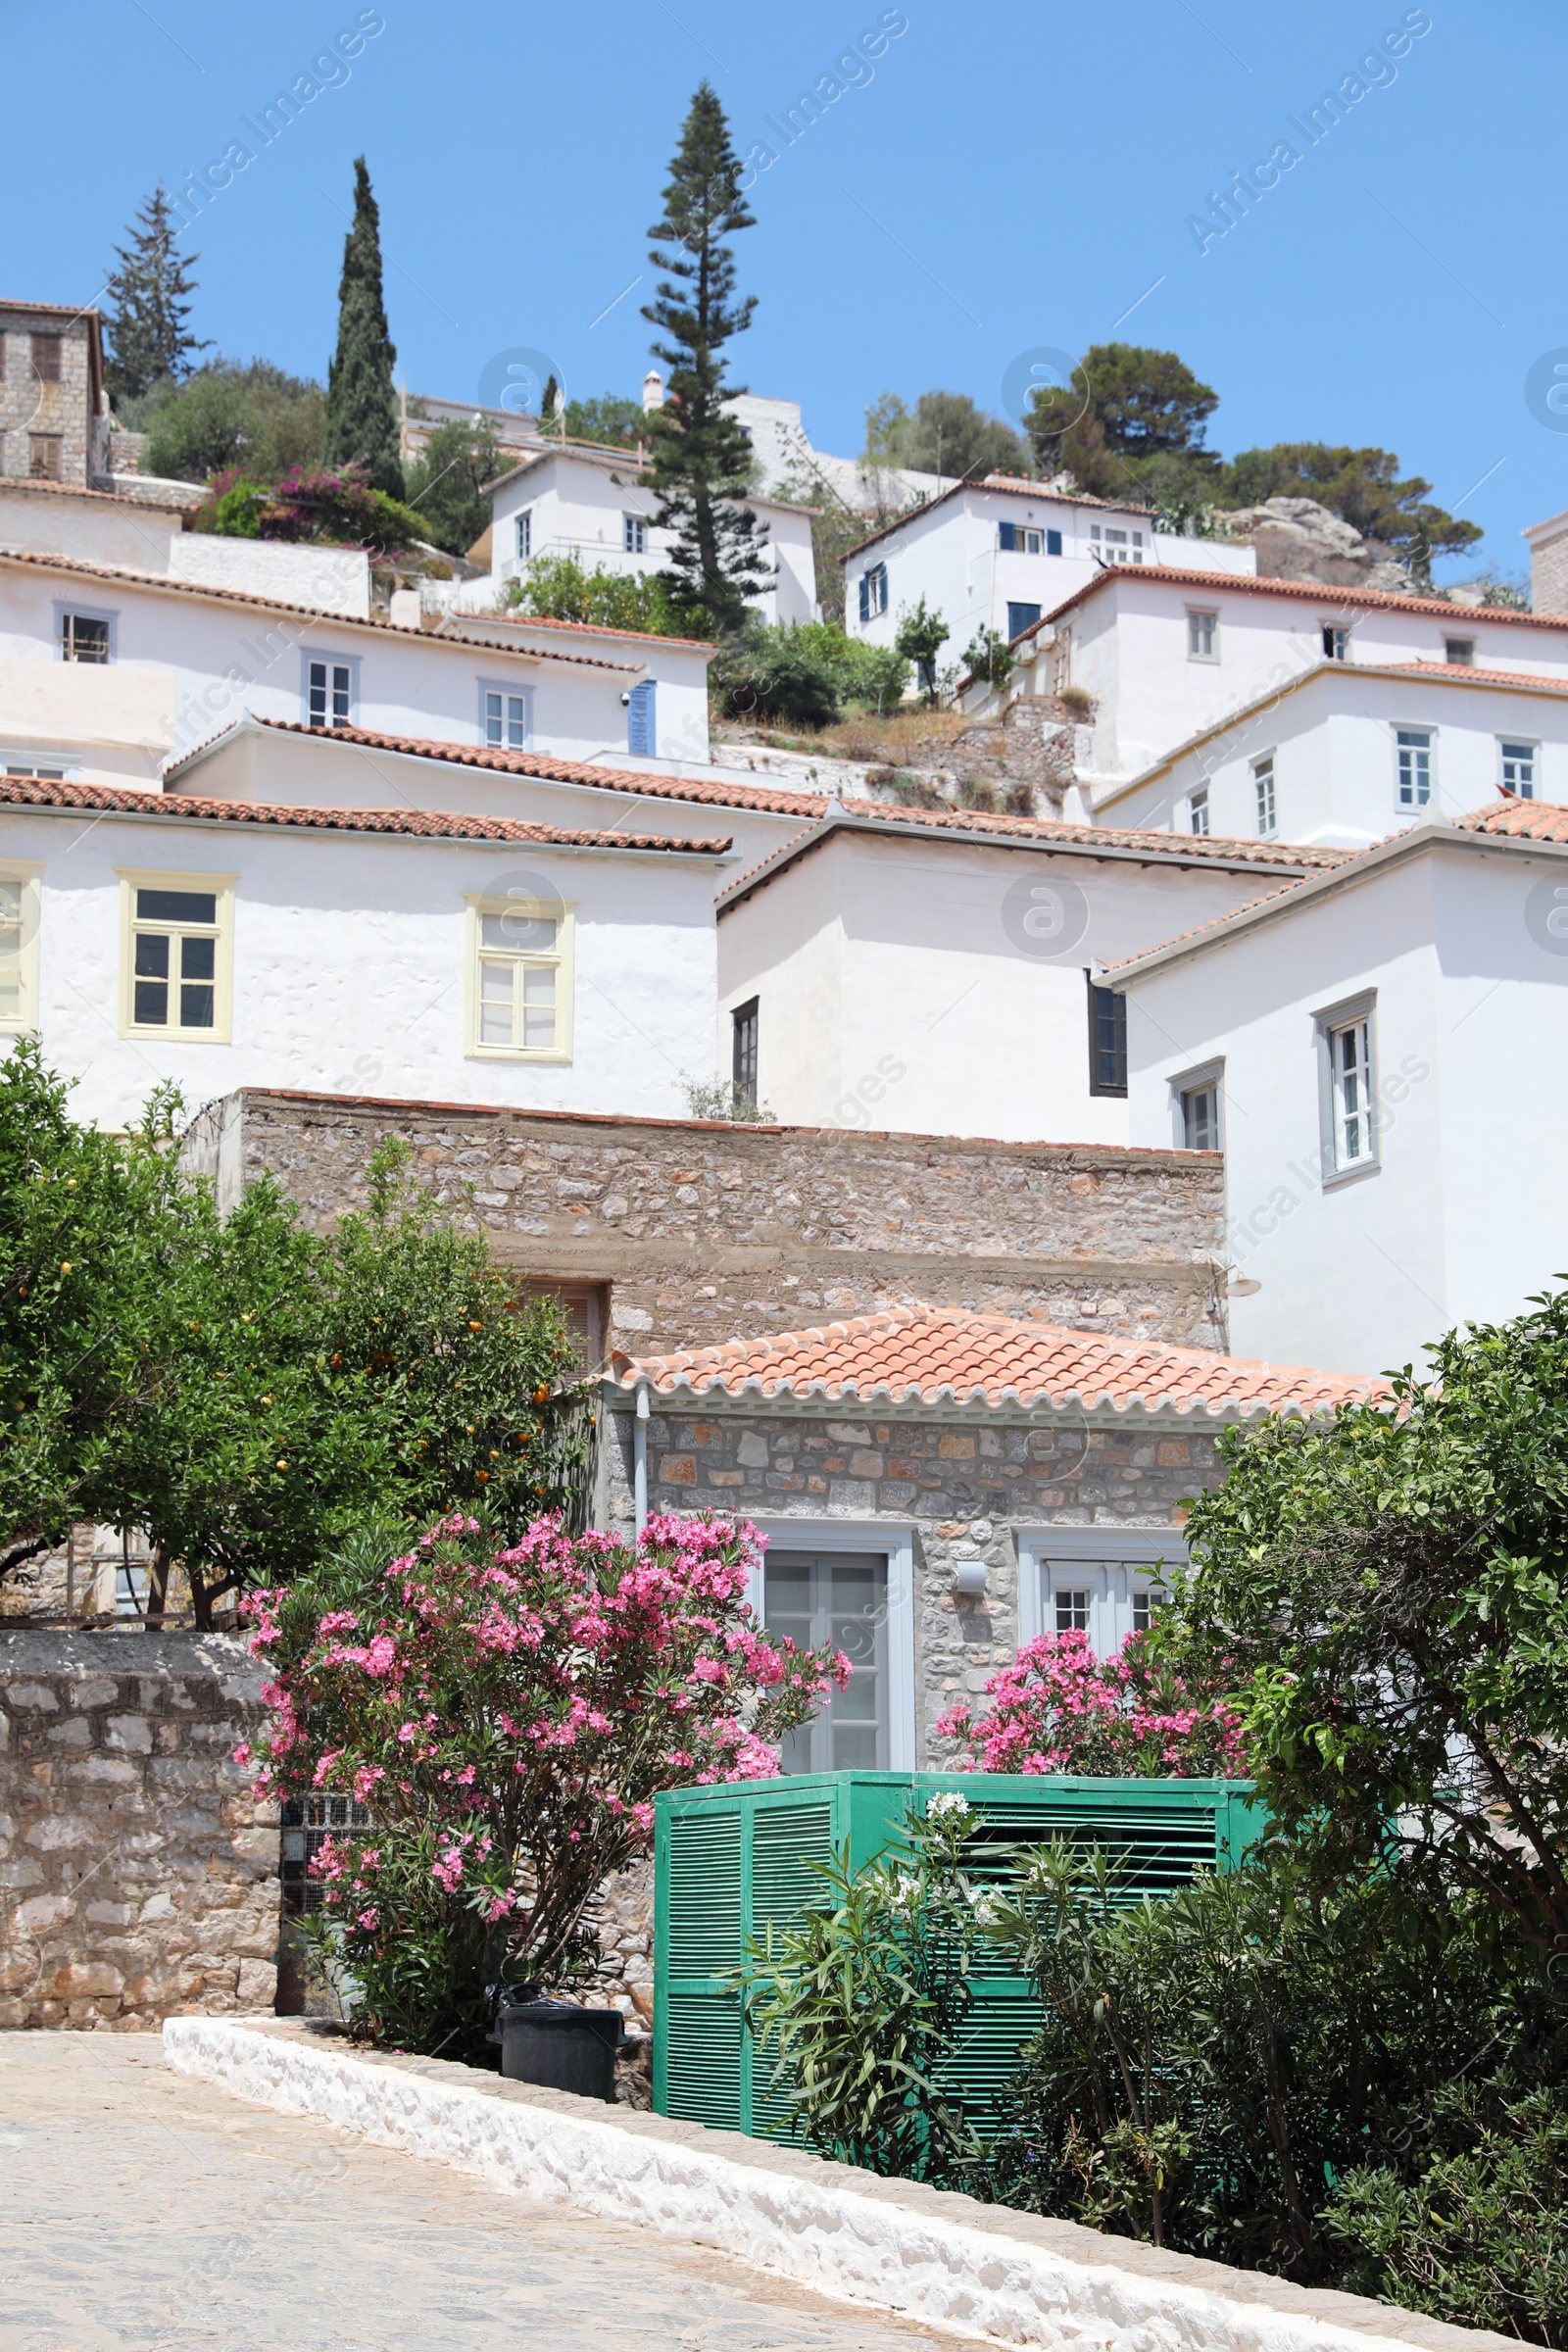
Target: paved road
x,y
141,2209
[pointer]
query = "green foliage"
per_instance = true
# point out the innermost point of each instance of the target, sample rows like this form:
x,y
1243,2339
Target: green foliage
x,y
922,636
361,408
805,674
865,1999
1360,485
147,339
947,434
1389,1593
227,415
448,481
612,420
324,508
558,588
717,1099
989,656
702,459
1130,426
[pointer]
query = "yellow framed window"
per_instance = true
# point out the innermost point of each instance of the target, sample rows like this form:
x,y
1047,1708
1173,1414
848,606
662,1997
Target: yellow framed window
x,y
177,956
520,979
18,947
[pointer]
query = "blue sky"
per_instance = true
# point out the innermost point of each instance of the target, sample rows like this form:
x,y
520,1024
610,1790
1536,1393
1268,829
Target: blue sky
x,y
1008,178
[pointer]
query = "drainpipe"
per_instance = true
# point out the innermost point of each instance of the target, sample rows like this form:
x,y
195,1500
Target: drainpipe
x,y
639,1475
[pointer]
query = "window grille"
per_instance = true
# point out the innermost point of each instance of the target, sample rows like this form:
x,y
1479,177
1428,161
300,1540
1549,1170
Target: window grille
x,y
743,1060
839,1598
1108,1041
307,1823
1414,747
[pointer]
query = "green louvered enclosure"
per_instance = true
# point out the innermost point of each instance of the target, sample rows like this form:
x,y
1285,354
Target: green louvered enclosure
x,y
729,1861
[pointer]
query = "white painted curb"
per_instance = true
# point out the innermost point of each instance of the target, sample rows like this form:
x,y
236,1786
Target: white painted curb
x,y
922,2253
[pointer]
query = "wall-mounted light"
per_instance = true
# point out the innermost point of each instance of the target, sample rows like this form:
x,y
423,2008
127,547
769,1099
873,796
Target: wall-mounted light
x,y
970,1578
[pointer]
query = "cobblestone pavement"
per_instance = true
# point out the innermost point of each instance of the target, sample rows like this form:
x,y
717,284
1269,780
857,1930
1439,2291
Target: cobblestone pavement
x,y
142,2209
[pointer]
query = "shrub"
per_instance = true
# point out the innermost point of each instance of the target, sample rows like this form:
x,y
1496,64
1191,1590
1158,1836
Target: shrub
x,y
989,656
332,508
228,417
1059,1708
449,482
558,588
508,1715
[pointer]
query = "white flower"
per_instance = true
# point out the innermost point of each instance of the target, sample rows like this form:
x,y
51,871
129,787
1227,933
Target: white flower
x,y
946,1801
908,1891
983,1905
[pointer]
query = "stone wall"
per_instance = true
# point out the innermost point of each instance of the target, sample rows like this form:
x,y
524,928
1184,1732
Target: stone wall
x,y
30,409
138,1877
702,1230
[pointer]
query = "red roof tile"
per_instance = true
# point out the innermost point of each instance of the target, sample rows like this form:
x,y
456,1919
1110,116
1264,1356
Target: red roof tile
x,y
935,1355
1245,583
588,628
429,824
1010,483
1459,673
1519,821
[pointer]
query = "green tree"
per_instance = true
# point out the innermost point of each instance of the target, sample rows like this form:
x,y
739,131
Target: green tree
x,y
361,409
227,415
1390,1595
947,434
449,482
612,420
922,636
1145,404
149,342
702,456
559,588
1361,486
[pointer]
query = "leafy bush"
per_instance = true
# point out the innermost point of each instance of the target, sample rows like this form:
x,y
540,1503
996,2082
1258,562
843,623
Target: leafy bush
x,y
449,482
989,656
229,416
558,588
613,420
803,675
328,508
1059,1708
508,1715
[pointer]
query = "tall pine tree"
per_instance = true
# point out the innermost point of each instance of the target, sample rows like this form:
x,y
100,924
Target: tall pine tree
x,y
702,457
361,407
148,340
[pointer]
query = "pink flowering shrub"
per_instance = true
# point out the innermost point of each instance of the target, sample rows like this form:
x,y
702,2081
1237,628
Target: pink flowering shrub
x,y
1059,1708
508,1715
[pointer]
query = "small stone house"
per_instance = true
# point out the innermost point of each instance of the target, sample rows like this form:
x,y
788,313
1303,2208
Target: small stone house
x,y
938,1488
54,411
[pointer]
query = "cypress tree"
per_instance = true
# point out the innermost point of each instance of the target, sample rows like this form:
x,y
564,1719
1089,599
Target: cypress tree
x,y
361,408
147,336
702,456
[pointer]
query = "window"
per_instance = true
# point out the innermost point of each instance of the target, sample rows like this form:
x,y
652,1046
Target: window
x,y
1202,636
743,1055
841,1598
642,727
19,950
873,591
1336,643
1108,1041
1019,619
1263,795
1198,809
1104,1582
85,637
1354,1135
1413,747
1461,650
525,534
1021,539
1070,1609
44,457
46,359
520,979
503,713
1147,1598
55,775
1200,1108
178,955
634,534
329,693
1519,769
1113,546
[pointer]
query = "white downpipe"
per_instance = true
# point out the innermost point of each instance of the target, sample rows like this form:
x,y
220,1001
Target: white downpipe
x,y
639,1475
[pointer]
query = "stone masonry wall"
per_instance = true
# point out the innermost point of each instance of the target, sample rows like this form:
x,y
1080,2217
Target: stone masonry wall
x,y
703,1229
138,1877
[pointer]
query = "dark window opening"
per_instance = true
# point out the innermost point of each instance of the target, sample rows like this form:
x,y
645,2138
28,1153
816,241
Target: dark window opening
x,y
1108,1041
743,1062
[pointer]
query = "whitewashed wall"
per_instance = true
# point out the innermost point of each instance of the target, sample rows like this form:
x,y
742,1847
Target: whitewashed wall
x,y
1471,1017
91,525
348,972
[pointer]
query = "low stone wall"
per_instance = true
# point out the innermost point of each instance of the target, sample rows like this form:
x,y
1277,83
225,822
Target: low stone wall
x,y
138,1876
702,1229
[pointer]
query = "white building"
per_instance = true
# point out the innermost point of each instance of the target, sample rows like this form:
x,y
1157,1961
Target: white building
x,y
105,672
1370,1048
1164,658
1000,554
1345,753
593,504
929,971
414,953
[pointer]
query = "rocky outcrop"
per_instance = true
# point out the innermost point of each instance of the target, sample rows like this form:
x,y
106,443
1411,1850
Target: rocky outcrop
x,y
1296,539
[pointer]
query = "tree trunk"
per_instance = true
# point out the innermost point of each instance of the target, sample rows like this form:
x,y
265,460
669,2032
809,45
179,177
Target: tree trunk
x,y
158,1589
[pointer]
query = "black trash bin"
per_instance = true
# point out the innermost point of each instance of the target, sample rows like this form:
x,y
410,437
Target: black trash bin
x,y
557,2045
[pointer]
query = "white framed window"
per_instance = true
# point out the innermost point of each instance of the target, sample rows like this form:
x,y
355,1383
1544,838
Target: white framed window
x,y
1460,650
1203,635
1412,753
1113,544
46,771
634,534
83,635
522,534
19,893
1021,539
519,993
1348,1087
880,1621
331,696
1263,799
1198,809
1336,643
1105,1582
873,591
1517,763
177,956
506,717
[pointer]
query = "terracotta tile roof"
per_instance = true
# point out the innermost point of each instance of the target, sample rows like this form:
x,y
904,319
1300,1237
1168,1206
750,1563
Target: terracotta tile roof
x,y
1314,592
1519,821
429,824
701,790
586,628
999,482
1461,673
79,567
936,1357
58,310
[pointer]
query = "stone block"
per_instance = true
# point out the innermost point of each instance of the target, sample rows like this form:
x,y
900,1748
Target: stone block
x,y
81,1979
109,1915
24,1872
130,1733
36,1697
257,1987
42,1911
62,1833
97,1692
75,1732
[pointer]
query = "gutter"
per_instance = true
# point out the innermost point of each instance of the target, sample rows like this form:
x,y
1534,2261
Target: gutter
x,y
640,1460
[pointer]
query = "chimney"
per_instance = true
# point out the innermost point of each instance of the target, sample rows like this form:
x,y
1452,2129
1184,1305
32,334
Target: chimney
x,y
652,390
403,607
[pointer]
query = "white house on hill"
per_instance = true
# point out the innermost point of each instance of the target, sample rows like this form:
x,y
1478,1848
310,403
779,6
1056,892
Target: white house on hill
x,y
1371,1048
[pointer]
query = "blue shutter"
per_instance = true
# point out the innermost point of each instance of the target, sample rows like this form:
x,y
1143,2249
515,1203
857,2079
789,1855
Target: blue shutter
x,y
1007,537
641,733
1053,543
865,596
